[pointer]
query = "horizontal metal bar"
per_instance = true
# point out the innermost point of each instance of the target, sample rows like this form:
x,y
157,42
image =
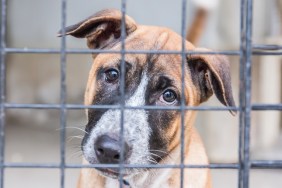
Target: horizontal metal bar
x,y
267,107
259,53
54,165
90,51
257,164
32,50
77,107
267,164
267,47
255,107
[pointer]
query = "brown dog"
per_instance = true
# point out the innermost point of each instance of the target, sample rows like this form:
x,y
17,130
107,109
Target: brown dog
x,y
150,136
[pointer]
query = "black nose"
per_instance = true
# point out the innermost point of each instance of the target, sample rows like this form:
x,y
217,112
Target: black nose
x,y
108,150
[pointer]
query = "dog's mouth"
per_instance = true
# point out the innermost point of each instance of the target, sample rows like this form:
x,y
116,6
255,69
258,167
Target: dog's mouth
x,y
112,172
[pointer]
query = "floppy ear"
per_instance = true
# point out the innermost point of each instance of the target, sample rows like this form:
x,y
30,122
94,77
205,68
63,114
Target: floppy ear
x,y
211,74
101,29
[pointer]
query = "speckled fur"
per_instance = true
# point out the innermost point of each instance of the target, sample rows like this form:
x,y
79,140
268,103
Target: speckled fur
x,y
136,128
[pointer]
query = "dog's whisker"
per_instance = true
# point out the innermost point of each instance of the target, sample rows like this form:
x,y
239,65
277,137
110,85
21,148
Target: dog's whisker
x,y
72,149
161,151
77,136
152,172
166,153
76,128
169,158
76,154
74,146
151,159
156,155
69,139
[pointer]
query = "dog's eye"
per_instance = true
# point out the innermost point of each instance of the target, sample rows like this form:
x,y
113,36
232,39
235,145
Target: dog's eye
x,y
168,96
111,75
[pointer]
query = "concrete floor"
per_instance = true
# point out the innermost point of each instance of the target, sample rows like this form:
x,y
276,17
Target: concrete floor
x,y
38,144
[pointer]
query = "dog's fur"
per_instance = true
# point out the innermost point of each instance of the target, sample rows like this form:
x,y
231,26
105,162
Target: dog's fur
x,y
153,135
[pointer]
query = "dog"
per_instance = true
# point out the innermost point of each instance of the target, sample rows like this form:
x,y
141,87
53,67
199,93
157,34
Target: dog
x,y
150,136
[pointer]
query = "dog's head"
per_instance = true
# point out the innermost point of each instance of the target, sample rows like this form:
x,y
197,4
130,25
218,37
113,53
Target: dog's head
x,y
150,79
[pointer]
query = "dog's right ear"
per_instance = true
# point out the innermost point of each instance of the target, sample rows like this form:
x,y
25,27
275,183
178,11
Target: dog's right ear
x,y
101,29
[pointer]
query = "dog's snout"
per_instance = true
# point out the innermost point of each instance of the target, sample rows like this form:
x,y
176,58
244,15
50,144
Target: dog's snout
x,y
108,150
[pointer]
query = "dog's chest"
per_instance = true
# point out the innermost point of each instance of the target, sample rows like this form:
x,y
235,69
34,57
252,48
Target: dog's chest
x,y
114,183
148,181
111,183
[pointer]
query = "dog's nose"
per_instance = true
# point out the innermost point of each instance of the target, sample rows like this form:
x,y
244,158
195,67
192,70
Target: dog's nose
x,y
108,150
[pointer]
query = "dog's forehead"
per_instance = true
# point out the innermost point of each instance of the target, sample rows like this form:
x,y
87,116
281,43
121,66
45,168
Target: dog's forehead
x,y
147,38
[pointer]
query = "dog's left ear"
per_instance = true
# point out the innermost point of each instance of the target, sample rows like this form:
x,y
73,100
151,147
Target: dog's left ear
x,y
101,29
211,74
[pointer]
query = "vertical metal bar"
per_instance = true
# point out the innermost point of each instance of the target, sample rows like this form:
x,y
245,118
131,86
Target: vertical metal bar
x,y
241,93
248,82
122,92
2,89
245,92
63,109
182,105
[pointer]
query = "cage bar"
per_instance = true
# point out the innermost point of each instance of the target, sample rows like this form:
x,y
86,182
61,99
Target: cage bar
x,y
2,89
63,110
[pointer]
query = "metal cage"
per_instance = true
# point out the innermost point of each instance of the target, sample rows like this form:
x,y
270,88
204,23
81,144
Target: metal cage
x,y
245,107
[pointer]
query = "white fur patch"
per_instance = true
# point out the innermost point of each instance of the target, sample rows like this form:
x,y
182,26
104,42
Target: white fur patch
x,y
136,128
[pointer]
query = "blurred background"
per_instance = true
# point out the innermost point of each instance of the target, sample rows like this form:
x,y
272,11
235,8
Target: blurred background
x,y
33,135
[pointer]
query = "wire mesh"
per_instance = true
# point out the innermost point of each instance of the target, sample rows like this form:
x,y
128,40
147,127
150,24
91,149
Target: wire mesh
x,y
247,50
